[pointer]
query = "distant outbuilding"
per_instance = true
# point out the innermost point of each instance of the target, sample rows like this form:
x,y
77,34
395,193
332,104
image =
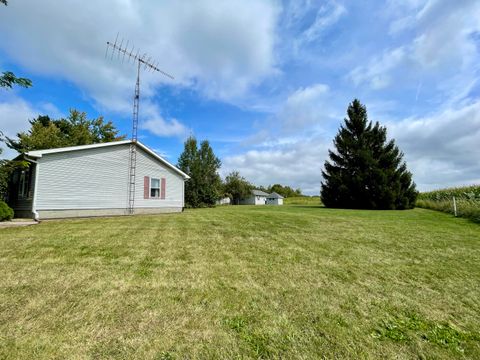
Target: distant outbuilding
x,y
259,197
274,199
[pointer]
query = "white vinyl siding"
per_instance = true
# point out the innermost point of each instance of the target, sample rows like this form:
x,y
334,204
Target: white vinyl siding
x,y
274,201
97,178
148,166
254,200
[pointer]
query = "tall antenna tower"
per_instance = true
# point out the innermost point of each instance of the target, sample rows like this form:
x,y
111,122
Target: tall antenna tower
x,y
142,61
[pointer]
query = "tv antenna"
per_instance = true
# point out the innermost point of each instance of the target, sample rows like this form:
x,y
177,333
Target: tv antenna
x,y
121,50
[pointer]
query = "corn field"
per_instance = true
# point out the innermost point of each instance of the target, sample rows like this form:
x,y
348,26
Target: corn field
x,y
467,201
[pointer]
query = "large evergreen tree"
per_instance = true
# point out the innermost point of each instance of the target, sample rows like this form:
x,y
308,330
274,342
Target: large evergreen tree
x,y
201,164
188,163
366,171
209,182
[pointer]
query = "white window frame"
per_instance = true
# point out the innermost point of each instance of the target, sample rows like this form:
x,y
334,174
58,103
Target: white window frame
x,y
152,188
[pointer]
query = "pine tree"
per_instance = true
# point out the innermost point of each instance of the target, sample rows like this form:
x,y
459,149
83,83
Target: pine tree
x,y
209,182
366,171
187,162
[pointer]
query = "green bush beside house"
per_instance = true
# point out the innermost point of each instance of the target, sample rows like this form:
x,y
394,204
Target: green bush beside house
x,y
6,212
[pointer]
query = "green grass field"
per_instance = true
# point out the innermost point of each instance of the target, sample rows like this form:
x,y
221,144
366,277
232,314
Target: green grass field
x,y
291,282
302,200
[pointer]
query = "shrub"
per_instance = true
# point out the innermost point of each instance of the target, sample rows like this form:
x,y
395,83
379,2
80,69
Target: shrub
x,y
6,212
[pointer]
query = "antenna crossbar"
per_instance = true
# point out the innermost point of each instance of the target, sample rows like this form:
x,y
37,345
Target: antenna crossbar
x,y
147,63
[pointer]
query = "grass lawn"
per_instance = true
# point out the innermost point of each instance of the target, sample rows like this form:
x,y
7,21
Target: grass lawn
x,y
303,200
243,282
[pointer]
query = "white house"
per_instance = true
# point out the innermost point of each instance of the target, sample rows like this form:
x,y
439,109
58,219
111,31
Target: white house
x,y
274,199
92,180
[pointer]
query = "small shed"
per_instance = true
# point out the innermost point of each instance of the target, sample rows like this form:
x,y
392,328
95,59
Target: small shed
x,y
274,199
257,197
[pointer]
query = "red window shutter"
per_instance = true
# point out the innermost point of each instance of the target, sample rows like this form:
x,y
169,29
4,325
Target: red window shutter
x,y
146,187
162,189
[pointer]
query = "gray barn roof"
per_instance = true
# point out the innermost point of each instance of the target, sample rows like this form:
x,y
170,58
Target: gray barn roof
x,y
259,193
275,195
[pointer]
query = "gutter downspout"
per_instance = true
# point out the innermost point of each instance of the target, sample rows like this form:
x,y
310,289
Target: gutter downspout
x,y
35,187
183,193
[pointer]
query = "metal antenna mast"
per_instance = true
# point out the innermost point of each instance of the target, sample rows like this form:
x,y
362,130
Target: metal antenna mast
x,y
123,51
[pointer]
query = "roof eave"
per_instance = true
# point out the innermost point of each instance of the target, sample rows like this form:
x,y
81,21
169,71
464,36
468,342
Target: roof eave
x,y
39,153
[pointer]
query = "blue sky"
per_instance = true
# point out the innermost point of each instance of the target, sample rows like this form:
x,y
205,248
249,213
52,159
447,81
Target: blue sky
x,y
266,82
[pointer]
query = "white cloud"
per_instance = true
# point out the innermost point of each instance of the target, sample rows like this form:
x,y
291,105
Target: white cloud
x,y
161,127
14,116
377,72
327,15
152,121
295,162
440,48
442,149
304,107
219,48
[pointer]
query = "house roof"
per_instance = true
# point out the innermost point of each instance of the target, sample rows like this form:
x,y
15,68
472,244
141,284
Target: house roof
x,y
259,193
275,195
40,153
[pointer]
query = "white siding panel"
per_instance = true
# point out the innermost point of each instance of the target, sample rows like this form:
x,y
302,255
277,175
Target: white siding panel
x,y
149,166
84,179
98,179
260,200
248,201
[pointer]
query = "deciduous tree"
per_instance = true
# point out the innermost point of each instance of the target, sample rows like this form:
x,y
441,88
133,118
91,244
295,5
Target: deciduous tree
x,y
76,129
236,187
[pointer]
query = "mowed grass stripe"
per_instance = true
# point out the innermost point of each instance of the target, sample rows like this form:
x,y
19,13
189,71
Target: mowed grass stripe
x,y
243,282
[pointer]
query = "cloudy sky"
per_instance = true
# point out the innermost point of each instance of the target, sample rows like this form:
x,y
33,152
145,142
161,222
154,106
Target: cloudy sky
x,y
266,82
